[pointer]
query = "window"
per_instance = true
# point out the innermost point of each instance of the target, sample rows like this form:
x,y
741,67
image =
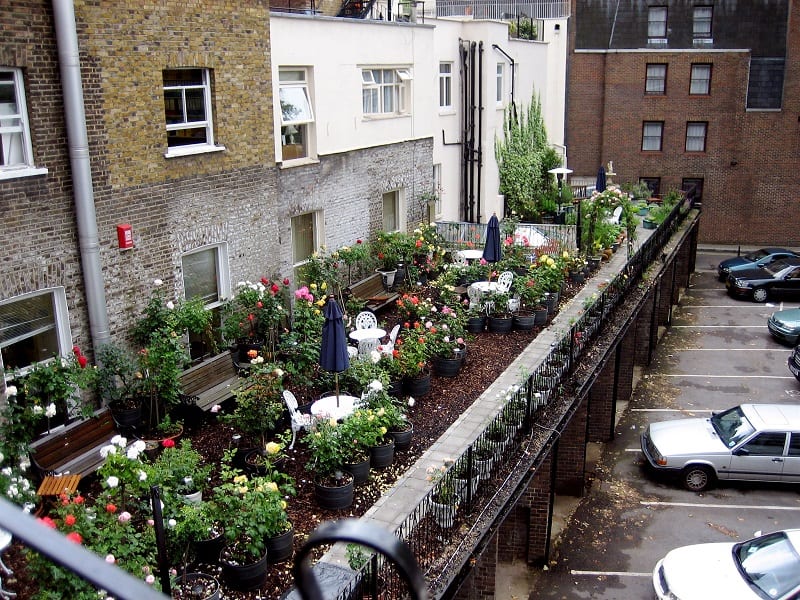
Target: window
x,y
766,444
696,137
305,240
205,275
653,184
385,91
437,190
701,26
794,445
445,85
656,79
651,135
33,328
16,152
187,107
297,116
499,84
701,79
693,186
657,22
393,211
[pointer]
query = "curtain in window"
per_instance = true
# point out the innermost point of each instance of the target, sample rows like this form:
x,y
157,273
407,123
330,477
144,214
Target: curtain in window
x,y
696,137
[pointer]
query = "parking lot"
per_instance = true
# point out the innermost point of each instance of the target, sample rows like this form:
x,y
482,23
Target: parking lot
x,y
717,354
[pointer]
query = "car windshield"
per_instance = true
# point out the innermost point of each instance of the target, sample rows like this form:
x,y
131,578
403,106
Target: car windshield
x,y
732,426
754,256
770,563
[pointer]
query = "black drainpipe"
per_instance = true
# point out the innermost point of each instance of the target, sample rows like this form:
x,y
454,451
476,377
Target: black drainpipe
x,y
480,126
471,146
463,48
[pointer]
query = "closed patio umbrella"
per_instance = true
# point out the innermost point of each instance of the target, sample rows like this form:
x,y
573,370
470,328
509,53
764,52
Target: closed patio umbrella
x,y
492,250
600,184
333,355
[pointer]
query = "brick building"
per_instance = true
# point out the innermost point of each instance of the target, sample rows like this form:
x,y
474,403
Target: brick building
x,y
680,94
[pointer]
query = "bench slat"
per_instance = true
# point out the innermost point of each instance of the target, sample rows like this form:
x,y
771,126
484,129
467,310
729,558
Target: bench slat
x,y
371,291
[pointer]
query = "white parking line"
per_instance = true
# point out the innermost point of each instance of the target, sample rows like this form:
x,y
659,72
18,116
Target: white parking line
x,y
609,573
730,376
718,326
731,350
736,506
672,410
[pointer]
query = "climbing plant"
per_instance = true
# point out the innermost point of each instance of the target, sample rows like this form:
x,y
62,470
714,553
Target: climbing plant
x,y
524,158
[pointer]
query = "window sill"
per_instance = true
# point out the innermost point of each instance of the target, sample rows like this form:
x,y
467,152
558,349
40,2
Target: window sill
x,y
191,150
384,116
447,110
14,173
298,162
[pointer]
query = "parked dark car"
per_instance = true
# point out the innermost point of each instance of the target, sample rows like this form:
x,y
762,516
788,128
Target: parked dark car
x,y
794,362
781,279
784,325
757,258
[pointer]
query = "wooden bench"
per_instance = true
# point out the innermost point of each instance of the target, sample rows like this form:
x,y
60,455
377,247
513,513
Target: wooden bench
x,y
372,292
211,381
73,450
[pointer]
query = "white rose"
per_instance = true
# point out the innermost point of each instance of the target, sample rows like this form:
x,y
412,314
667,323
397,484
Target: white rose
x,y
51,410
112,481
142,476
37,410
11,390
106,450
158,282
170,305
139,445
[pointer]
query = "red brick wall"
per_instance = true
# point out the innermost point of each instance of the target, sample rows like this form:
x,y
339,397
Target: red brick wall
x,y
601,404
571,458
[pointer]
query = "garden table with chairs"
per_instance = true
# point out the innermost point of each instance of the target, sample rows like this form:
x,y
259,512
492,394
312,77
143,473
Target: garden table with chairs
x,y
327,407
359,335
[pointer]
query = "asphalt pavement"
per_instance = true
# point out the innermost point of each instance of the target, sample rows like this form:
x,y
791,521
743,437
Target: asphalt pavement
x,y
717,354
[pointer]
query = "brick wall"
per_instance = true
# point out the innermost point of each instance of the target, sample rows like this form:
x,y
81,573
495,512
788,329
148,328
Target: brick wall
x,y
571,455
601,404
538,499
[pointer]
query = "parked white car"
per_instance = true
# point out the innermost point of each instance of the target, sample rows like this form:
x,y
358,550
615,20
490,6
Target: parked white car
x,y
751,442
765,567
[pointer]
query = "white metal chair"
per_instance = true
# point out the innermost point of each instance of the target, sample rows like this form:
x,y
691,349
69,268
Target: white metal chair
x,y
299,420
475,297
367,347
459,259
366,320
388,347
504,281
615,216
352,352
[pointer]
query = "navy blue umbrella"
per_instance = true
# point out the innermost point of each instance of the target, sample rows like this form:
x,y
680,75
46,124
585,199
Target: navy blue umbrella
x,y
491,250
600,184
333,356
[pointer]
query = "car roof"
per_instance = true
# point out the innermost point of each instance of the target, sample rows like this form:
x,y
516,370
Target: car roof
x,y
773,416
772,250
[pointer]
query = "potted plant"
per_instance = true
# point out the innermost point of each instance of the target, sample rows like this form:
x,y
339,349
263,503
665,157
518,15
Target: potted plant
x,y
500,318
198,534
333,487
255,317
444,495
181,470
360,433
259,403
413,354
391,249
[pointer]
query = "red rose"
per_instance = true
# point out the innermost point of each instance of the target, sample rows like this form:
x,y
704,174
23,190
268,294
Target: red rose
x,y
83,361
251,317
112,508
407,325
259,304
48,522
76,351
70,520
285,281
74,537
168,443
275,289
418,243
358,241
265,281
79,500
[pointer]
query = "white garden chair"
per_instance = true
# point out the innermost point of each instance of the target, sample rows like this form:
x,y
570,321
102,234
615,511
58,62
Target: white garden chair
x,y
367,347
388,347
459,259
299,420
504,281
366,320
475,297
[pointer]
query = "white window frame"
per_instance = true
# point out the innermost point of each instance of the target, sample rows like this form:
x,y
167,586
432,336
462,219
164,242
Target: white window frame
x,y
702,21
317,223
648,135
14,124
303,125
656,74
382,98
693,137
657,22
206,123
445,86
700,83
60,325
437,188
222,272
396,196
499,83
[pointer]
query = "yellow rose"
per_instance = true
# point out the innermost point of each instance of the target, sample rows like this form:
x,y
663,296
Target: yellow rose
x,y
333,422
283,504
272,448
240,479
243,490
383,430
324,286
566,254
313,286
271,486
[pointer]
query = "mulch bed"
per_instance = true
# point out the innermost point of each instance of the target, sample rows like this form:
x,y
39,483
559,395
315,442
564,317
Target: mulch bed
x,y
488,356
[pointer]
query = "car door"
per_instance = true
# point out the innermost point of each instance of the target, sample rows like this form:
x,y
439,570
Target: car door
x,y
791,466
760,458
788,285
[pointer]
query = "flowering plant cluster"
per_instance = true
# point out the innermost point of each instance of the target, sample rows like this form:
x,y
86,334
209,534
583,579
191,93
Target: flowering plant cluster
x,y
124,476
14,484
257,311
301,343
429,248
411,307
611,197
445,331
352,255
359,432
328,451
413,351
180,469
444,488
529,290
391,248
389,412
259,405
549,271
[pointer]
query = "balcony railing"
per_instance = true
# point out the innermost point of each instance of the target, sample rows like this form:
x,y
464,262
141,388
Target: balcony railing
x,y
503,9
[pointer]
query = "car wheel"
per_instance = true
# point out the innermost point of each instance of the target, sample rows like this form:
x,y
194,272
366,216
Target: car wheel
x,y
697,478
760,294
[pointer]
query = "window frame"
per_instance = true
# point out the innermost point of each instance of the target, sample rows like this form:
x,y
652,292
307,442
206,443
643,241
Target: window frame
x,y
399,89
651,78
303,127
645,137
60,326
693,79
26,166
207,123
223,284
703,33
499,83
653,184
689,124
398,197
446,86
317,235
697,182
652,23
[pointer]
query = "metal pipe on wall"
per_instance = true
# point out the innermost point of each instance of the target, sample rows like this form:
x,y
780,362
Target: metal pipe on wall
x,y
77,138
471,146
479,156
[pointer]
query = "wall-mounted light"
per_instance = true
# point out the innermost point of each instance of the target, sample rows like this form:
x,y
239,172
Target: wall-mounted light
x,y
557,27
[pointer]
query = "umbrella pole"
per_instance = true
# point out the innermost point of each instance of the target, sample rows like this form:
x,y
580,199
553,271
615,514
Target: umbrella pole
x,y
336,378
